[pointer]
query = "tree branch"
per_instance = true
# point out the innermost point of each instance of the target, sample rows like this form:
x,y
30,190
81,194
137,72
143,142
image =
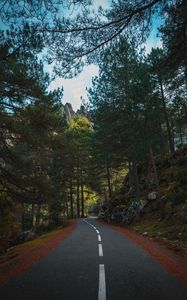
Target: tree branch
x,y
134,12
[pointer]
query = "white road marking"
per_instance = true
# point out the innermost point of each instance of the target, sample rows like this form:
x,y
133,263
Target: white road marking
x,y
99,237
102,283
100,250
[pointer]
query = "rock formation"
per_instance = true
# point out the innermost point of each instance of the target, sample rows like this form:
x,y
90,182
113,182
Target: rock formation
x,y
69,111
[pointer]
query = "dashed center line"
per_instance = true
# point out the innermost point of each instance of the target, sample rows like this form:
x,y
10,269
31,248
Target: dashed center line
x,y
102,283
100,250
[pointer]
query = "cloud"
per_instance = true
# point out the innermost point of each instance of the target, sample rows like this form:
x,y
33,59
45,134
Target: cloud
x,y
103,3
152,43
76,87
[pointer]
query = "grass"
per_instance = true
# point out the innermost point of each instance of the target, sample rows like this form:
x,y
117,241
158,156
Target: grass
x,y
170,233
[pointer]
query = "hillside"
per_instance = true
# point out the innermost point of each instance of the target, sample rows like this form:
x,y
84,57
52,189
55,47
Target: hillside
x,y
159,213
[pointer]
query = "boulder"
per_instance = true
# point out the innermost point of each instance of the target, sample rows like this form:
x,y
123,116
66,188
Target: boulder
x,y
152,196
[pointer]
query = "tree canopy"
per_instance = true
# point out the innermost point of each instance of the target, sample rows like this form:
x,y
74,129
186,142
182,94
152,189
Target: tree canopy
x,y
74,34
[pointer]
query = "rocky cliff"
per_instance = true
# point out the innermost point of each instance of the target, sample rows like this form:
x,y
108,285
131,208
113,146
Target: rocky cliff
x,y
70,114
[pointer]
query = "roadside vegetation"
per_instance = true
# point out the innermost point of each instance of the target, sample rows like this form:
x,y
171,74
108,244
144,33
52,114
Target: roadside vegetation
x,y
123,153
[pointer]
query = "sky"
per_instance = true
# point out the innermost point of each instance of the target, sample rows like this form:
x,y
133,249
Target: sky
x,y
75,88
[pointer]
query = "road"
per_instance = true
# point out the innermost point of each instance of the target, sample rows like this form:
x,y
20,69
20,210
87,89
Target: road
x,y
96,263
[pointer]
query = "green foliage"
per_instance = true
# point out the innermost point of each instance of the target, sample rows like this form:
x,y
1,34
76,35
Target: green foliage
x,y
31,128
125,109
137,104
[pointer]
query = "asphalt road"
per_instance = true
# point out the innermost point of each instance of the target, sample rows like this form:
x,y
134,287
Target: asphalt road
x,y
96,264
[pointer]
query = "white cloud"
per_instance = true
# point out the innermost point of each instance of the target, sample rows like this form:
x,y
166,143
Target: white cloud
x,y
76,87
152,43
103,3
159,44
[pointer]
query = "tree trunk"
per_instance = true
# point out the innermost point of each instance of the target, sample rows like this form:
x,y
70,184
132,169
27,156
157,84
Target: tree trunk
x,y
170,139
116,183
38,208
180,123
180,133
82,196
108,180
135,179
67,208
173,134
78,198
159,198
71,199
23,217
32,217
105,194
185,73
154,168
131,183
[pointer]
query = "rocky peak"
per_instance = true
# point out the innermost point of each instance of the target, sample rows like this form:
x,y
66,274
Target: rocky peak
x,y
69,111
82,111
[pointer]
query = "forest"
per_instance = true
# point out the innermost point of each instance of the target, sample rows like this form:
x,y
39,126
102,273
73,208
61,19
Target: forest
x,y
125,148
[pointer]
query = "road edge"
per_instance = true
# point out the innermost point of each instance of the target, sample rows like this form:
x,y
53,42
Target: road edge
x,y
166,257
27,257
